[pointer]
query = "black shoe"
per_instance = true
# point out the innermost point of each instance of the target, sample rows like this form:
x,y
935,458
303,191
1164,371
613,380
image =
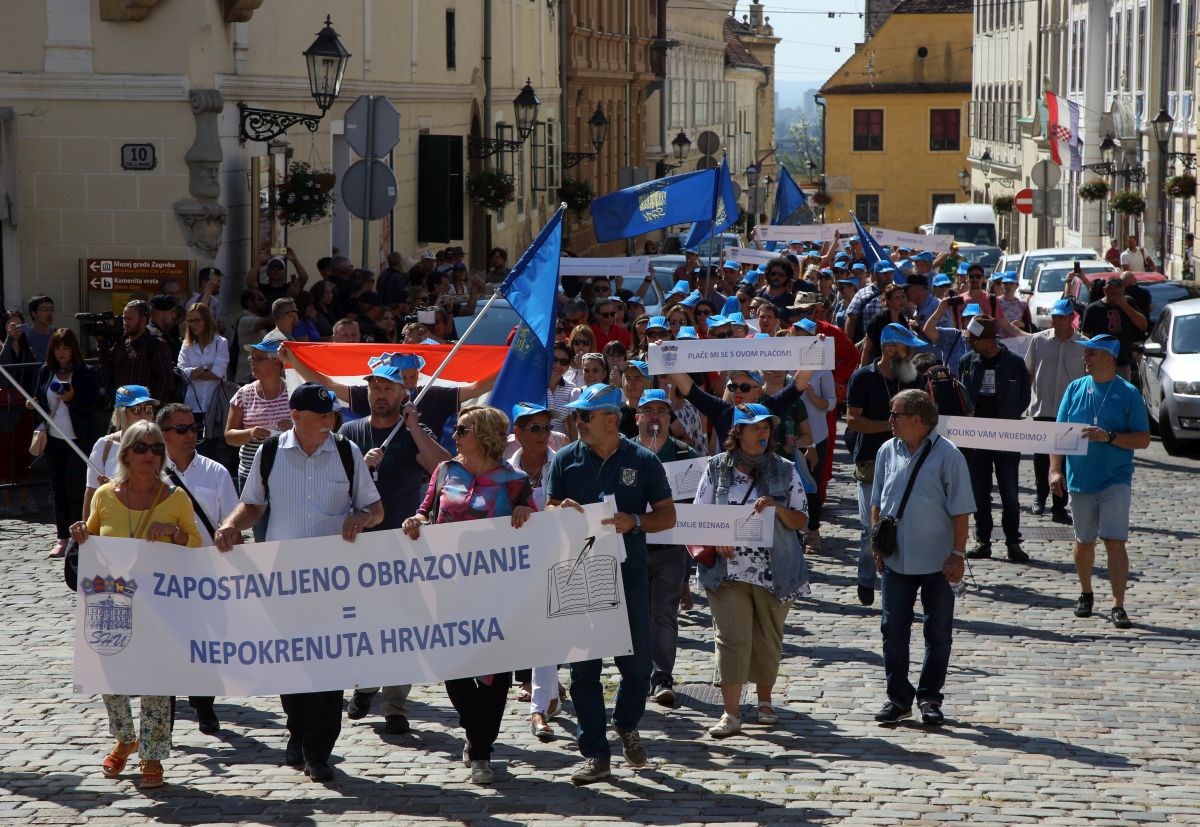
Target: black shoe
x,y
866,595
293,756
663,693
980,552
1016,554
1119,618
1060,515
396,725
1039,509
360,705
209,725
1083,606
318,771
892,713
931,713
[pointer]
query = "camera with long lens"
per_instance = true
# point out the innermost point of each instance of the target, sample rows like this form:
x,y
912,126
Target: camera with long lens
x,y
106,325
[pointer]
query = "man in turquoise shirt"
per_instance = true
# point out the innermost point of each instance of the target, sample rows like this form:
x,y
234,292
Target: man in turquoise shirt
x,y
1115,424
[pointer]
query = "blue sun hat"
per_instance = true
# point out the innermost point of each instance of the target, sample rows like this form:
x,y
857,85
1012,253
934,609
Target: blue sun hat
x,y
715,322
129,396
731,265
807,325
652,396
732,305
597,397
692,299
753,413
401,361
686,332
1103,341
924,255
679,288
642,367
898,334
657,323
270,347
942,280
736,318
1063,307
524,409
963,266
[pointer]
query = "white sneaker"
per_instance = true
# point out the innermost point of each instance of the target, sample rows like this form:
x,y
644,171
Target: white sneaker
x,y
728,725
481,772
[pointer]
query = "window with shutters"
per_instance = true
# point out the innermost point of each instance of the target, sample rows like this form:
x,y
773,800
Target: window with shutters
x,y
537,161
943,130
451,40
553,167
866,208
868,130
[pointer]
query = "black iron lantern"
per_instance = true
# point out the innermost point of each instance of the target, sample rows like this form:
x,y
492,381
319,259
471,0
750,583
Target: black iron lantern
x,y
598,127
526,105
327,59
682,144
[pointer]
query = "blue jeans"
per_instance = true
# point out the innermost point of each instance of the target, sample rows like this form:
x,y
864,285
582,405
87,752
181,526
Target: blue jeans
x,y
866,559
587,693
899,596
1007,470
667,569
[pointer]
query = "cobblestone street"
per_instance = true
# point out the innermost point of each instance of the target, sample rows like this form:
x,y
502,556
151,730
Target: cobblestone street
x,y
1051,719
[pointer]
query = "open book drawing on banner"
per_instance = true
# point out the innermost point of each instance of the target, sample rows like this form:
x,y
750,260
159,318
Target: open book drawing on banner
x,y
684,476
812,356
586,584
749,529
1067,441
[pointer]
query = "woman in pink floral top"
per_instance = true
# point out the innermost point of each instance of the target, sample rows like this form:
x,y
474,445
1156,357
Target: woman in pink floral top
x,y
476,485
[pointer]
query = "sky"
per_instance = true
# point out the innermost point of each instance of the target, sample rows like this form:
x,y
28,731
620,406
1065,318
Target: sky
x,y
810,35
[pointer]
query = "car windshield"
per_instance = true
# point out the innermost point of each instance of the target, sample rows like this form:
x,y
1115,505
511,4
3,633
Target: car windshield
x,y
982,255
1052,281
1165,292
1032,262
968,233
1185,337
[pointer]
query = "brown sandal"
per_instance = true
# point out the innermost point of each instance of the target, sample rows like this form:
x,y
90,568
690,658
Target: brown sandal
x,y
115,761
152,774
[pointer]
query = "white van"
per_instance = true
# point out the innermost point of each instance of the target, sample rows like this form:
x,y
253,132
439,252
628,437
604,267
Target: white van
x,y
969,223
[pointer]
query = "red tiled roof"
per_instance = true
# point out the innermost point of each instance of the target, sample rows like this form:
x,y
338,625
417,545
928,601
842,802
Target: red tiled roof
x,y
736,53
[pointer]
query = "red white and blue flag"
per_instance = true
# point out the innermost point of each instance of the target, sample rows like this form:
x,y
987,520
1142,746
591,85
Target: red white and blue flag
x,y
1062,130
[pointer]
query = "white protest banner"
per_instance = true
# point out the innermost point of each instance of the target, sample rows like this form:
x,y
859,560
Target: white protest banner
x,y
1025,436
468,598
913,241
748,255
611,267
684,476
802,232
718,525
789,353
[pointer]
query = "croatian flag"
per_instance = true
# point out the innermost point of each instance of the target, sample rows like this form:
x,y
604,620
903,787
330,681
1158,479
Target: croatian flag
x,y
1062,129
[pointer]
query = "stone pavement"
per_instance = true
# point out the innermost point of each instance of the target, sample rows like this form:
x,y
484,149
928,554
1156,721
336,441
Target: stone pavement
x,y
1051,719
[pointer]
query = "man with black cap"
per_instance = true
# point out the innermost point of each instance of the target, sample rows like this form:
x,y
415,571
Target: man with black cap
x,y
276,286
164,323
370,309
293,472
1116,316
997,384
401,473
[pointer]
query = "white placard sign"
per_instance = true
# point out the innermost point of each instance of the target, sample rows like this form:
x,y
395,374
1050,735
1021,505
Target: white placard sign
x,y
789,353
1024,436
718,525
468,598
684,476
611,267
913,241
1018,345
748,255
803,232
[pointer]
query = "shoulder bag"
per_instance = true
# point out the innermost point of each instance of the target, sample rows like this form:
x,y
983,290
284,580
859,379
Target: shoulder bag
x,y
884,536
707,555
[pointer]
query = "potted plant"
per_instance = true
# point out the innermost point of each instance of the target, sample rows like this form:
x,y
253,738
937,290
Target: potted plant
x,y
1002,203
492,189
577,194
1128,202
821,198
305,195
1094,190
1181,186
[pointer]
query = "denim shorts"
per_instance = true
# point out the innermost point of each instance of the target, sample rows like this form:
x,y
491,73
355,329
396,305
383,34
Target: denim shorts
x,y
1103,514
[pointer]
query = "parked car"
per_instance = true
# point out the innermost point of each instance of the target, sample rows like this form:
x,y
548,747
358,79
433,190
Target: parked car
x,y
1008,263
1163,293
1081,288
1169,364
1030,259
985,255
1048,282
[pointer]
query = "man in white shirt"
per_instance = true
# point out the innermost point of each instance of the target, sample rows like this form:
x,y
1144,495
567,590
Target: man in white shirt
x,y
211,490
1134,257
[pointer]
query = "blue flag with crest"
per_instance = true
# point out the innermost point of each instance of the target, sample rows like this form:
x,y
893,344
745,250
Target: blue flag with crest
x,y
788,197
726,210
532,291
654,205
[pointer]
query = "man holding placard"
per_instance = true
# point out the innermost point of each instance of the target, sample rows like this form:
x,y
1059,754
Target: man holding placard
x,y
1115,425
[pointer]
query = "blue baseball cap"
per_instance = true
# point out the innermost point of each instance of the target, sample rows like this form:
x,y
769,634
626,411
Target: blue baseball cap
x,y
731,265
825,273
898,334
995,277
402,361
851,280
693,299
680,287
312,398
388,372
841,257
882,266
687,332
753,413
717,321
1103,341
270,346
524,409
652,396
858,266
732,305
812,254
924,255
1063,307
736,318
756,375
751,277
904,265
942,280
130,395
972,309
633,299
1009,278
807,325
659,322
642,367
597,397
963,267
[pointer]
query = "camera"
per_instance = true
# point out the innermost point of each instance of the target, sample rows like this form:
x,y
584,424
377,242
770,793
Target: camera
x,y
106,325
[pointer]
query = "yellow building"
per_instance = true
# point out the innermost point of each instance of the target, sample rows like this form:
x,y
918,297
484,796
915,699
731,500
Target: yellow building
x,y
895,117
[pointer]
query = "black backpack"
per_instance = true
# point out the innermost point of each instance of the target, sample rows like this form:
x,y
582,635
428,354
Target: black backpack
x,y
947,392
270,448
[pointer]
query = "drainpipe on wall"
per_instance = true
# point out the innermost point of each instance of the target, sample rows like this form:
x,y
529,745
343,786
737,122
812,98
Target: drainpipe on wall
x,y
487,68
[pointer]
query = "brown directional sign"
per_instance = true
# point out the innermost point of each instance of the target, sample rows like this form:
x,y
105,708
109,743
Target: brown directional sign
x,y
127,274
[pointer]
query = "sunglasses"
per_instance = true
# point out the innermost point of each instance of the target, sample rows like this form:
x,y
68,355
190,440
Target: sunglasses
x,y
676,322
142,410
183,429
608,315
562,360
143,447
897,414
460,430
744,387
535,428
702,312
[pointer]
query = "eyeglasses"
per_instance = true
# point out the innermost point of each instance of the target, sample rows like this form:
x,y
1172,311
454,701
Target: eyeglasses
x,y
701,312
744,387
675,322
562,360
183,429
142,410
157,448
535,429
586,416
460,430
897,414
262,358
607,315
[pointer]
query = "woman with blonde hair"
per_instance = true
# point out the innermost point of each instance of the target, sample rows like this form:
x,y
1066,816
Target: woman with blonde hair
x,y
141,504
204,360
477,484
131,403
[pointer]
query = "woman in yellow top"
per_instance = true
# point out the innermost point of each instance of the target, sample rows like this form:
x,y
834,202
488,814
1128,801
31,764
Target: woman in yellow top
x,y
140,503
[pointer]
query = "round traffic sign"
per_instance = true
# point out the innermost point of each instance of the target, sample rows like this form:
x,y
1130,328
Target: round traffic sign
x,y
383,190
1023,201
709,143
1045,175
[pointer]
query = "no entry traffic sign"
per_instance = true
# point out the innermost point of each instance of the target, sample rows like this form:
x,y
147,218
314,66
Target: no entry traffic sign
x,y
1023,201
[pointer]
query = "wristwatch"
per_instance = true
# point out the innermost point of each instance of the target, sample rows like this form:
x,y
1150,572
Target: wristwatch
x,y
637,525
959,553
1112,437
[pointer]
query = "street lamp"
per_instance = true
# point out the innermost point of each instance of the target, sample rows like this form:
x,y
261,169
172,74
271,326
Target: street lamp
x,y
1162,124
597,131
985,161
525,105
326,59
682,144
812,170
964,180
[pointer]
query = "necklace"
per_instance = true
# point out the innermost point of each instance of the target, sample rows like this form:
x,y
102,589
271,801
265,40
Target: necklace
x,y
1096,409
129,509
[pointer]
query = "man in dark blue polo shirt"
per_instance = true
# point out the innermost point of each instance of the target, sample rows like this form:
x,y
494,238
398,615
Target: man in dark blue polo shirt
x,y
603,463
